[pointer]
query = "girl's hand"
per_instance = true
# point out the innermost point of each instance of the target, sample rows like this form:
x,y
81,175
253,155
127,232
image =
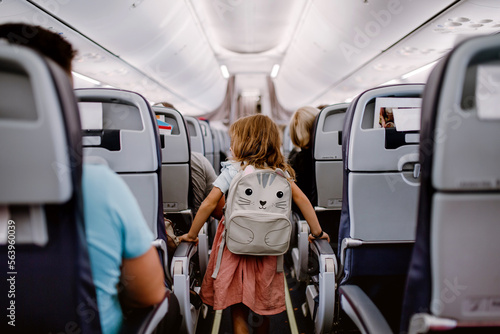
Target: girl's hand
x,y
187,238
324,236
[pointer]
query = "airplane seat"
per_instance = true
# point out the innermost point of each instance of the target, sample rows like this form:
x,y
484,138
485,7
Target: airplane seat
x,y
310,260
327,148
379,207
176,181
198,144
327,157
119,130
453,279
210,149
175,170
208,140
196,137
46,270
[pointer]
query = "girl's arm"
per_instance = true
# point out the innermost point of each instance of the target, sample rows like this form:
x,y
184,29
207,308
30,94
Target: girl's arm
x,y
307,210
206,208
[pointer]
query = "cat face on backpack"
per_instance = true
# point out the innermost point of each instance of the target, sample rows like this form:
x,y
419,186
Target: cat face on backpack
x,y
263,192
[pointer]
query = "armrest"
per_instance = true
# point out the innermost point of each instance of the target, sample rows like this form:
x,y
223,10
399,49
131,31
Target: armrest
x,y
300,254
165,314
161,246
326,286
424,323
203,249
362,310
182,285
321,246
183,254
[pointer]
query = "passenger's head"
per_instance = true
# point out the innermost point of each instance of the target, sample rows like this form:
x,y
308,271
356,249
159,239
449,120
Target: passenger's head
x,y
301,126
46,42
256,140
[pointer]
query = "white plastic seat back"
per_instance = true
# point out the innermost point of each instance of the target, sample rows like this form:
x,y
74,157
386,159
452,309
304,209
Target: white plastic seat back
x,y
466,175
120,130
42,233
28,119
195,134
327,137
382,167
459,222
208,140
175,152
379,205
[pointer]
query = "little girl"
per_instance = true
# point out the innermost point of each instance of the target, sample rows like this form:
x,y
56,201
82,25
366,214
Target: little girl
x,y
244,281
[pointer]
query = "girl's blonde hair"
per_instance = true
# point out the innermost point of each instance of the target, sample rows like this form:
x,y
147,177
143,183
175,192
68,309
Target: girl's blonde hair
x,y
255,140
301,126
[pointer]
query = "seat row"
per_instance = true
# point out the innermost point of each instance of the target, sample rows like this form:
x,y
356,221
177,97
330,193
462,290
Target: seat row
x,y
419,204
44,145
212,142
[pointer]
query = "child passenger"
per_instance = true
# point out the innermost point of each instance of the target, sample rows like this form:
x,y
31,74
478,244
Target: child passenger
x,y
244,281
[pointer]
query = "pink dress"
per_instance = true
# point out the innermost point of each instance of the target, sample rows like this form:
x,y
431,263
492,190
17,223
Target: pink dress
x,y
251,280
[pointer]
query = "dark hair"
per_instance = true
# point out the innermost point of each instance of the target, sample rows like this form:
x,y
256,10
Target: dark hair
x,y
48,43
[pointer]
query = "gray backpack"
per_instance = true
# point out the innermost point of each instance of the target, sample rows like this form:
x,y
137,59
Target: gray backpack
x,y
258,207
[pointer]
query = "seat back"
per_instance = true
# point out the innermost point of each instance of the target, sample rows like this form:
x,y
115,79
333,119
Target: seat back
x,y
381,185
454,270
175,148
47,280
119,129
327,148
208,140
195,134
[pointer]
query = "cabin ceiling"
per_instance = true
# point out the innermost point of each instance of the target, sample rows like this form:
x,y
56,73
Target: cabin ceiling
x,y
328,50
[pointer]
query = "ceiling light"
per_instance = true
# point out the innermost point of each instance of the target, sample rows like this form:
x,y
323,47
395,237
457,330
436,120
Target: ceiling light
x,y
81,76
225,72
275,70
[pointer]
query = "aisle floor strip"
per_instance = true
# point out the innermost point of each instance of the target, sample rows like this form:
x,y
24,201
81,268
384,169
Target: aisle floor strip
x,y
216,324
289,310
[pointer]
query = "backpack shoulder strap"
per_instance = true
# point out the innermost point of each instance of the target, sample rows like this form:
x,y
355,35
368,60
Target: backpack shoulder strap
x,y
219,254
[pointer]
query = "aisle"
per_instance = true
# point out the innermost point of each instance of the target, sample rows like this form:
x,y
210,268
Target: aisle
x,y
220,322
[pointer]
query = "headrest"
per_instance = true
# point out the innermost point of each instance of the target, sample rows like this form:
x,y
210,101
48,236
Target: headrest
x,y
372,143
119,126
328,132
174,143
35,164
465,117
195,134
207,137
